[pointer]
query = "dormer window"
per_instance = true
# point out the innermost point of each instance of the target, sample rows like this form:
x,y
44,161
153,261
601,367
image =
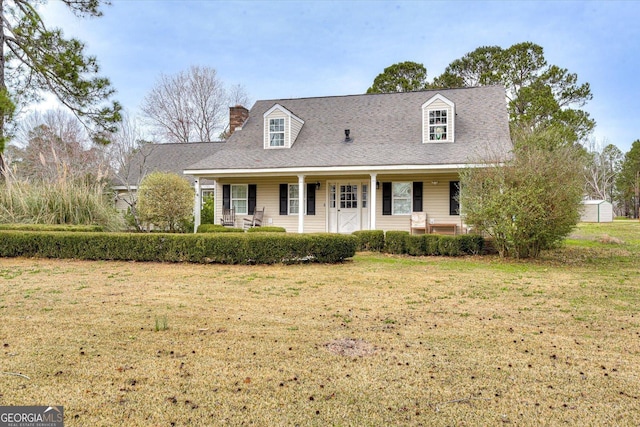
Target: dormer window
x,y
276,132
437,125
438,116
281,127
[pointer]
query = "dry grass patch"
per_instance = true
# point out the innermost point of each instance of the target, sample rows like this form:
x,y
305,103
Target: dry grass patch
x,y
470,341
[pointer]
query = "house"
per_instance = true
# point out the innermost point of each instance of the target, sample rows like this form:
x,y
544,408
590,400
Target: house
x,y
596,211
164,158
345,163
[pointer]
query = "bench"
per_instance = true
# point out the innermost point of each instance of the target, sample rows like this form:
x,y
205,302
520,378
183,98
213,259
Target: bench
x,y
443,229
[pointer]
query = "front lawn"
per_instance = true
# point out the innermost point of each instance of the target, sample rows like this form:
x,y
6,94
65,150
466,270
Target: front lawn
x,y
379,340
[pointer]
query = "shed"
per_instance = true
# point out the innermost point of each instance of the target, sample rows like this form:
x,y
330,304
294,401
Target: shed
x,y
596,211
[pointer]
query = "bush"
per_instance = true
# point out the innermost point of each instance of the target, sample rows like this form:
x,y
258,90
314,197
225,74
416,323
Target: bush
x,y
47,227
432,244
528,204
207,213
166,201
269,229
416,245
396,242
256,248
217,228
370,240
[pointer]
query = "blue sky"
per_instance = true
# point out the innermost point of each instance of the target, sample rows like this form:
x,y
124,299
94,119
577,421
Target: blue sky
x,y
291,49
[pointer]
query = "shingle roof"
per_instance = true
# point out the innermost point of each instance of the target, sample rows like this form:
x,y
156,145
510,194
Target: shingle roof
x,y
386,130
165,158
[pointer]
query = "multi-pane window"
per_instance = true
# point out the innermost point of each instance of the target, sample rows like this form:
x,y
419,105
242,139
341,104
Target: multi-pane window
x,y
365,190
276,132
401,198
294,199
332,196
239,199
348,196
438,125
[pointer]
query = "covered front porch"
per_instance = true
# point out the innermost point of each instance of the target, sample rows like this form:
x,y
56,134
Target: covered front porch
x,y
337,203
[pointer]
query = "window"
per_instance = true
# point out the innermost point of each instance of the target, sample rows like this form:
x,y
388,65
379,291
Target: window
x,y
294,199
348,196
276,132
401,199
239,199
332,196
454,197
365,190
438,125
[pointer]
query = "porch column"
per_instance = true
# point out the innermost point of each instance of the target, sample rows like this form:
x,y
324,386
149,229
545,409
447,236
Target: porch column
x,y
373,201
197,205
301,199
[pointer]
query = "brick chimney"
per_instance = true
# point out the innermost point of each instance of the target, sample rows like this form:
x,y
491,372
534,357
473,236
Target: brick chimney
x,y
237,116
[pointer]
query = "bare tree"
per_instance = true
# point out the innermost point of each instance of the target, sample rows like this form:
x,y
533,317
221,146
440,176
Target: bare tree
x,y
190,106
128,153
604,163
55,145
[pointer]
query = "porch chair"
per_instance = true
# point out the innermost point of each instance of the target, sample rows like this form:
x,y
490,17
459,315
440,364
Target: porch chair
x,y
228,218
418,221
255,220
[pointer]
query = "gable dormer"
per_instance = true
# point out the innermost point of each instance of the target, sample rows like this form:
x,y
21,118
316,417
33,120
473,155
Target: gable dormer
x,y
438,120
281,127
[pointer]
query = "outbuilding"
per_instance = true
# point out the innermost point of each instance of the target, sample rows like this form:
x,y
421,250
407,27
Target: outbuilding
x,y
596,211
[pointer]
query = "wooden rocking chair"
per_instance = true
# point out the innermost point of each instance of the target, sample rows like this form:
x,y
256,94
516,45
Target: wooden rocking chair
x,y
228,218
255,220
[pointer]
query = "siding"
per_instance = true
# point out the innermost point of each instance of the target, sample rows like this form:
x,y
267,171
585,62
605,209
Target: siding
x,y
435,201
268,196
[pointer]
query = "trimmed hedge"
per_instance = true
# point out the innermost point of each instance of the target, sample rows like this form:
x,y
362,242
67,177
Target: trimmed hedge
x,y
395,242
268,229
401,242
245,248
51,227
217,228
370,240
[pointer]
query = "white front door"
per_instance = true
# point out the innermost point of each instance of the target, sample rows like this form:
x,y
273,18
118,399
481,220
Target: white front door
x,y
348,219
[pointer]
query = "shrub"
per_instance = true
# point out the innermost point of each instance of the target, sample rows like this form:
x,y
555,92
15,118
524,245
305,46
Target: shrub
x,y
396,242
207,213
268,229
528,204
217,228
432,244
165,200
370,240
52,227
255,248
416,245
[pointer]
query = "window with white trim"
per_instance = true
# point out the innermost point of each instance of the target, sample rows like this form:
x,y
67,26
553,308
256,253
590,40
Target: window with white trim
x,y
294,199
240,198
401,198
438,125
276,132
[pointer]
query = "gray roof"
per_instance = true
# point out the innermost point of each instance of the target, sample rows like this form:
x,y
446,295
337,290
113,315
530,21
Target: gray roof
x,y
386,131
165,158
